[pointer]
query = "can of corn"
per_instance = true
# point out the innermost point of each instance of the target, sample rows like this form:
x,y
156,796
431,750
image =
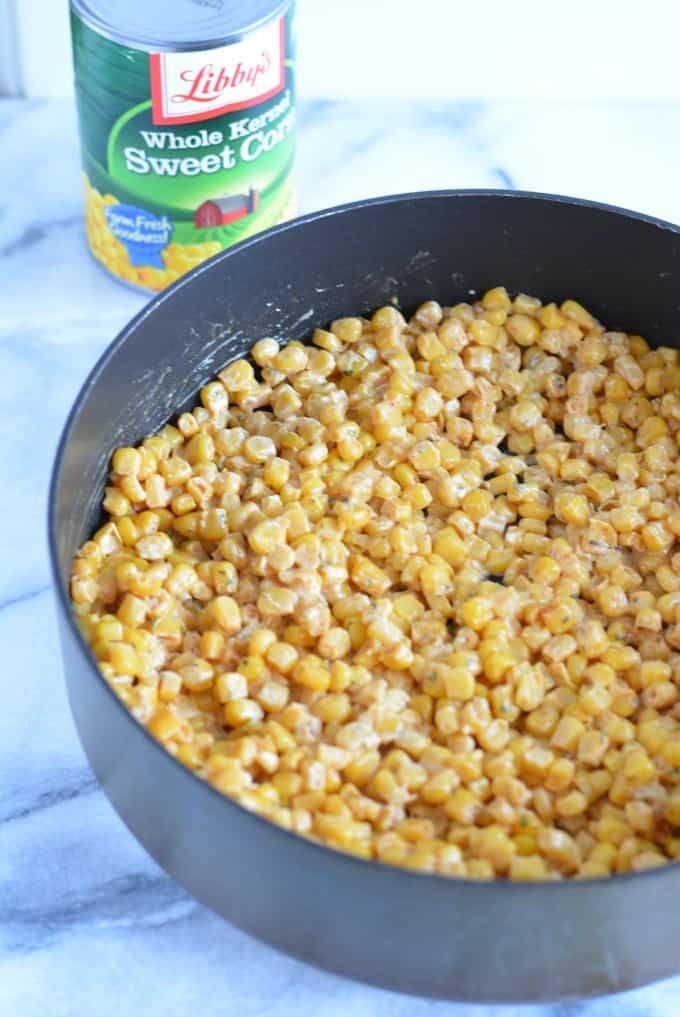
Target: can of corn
x,y
187,126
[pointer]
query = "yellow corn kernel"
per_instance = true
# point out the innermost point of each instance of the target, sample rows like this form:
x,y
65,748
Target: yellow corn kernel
x,y
459,683
670,751
266,536
164,723
526,868
523,329
252,668
368,577
573,803
276,601
446,718
237,376
238,712
264,351
656,537
575,312
496,666
126,462
653,671
272,696
567,734
260,641
529,691
231,685
282,657
476,612
311,672
211,645
550,316
572,508
124,658
224,613
544,570
463,806
386,421
197,674
259,448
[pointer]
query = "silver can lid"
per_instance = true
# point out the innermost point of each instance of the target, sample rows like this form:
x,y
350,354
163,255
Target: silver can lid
x,y
158,25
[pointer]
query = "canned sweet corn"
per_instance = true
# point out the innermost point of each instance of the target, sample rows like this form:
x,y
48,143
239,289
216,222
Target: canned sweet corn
x,y
188,139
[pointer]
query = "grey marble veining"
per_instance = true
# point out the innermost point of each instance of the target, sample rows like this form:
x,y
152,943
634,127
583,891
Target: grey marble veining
x,y
89,925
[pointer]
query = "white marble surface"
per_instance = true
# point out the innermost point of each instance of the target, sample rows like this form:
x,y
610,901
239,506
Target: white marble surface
x,y
89,926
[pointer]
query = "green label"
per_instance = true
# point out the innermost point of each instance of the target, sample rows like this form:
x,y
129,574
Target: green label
x,y
184,153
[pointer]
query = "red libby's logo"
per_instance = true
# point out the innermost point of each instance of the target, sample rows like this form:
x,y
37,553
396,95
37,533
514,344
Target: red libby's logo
x,y
187,87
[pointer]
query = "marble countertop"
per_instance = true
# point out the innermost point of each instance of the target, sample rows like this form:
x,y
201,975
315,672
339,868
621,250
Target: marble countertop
x,y
89,925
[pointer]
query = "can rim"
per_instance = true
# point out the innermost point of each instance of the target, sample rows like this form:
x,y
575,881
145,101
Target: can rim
x,y
214,36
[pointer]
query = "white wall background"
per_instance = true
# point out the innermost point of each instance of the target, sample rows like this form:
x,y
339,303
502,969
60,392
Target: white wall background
x,y
573,49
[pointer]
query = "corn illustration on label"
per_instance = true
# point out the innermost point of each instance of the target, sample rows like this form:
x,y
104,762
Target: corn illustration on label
x,y
184,152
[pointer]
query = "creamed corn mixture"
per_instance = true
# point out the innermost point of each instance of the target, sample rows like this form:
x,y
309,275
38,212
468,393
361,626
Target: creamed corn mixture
x,y
414,590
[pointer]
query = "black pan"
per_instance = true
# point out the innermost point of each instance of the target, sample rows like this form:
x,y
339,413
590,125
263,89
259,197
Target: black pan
x,y
412,932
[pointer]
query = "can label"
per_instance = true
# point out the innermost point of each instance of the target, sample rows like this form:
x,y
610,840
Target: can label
x,y
188,87
184,153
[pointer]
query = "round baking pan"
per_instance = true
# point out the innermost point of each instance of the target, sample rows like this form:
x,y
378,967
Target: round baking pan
x,y
413,932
